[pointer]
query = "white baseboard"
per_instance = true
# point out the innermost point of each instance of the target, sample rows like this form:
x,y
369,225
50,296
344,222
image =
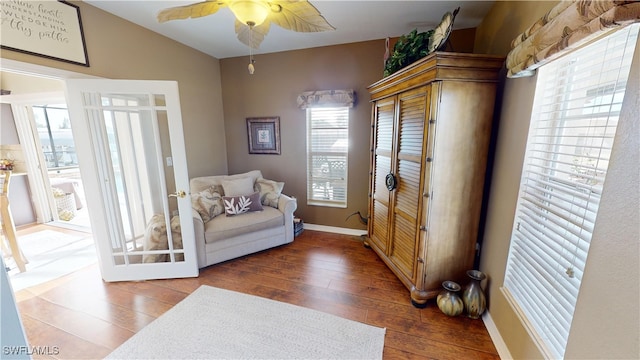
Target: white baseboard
x,y
498,342
334,229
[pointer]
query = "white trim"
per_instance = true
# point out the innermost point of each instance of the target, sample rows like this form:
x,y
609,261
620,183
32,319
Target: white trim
x,y
531,330
496,337
334,229
30,69
54,97
75,227
39,184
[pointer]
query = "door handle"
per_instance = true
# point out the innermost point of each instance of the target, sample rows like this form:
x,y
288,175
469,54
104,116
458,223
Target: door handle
x,y
390,181
180,194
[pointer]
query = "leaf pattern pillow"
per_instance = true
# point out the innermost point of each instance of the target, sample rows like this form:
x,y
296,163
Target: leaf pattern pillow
x,y
208,203
269,191
236,205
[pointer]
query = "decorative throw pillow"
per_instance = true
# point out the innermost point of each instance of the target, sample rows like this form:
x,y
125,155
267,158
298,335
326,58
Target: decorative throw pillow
x,y
236,205
242,186
175,224
208,203
269,191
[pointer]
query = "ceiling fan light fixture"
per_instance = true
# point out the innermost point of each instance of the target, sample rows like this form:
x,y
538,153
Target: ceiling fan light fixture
x,y
252,12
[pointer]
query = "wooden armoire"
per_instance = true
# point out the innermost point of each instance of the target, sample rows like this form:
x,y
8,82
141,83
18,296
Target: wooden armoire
x,y
430,133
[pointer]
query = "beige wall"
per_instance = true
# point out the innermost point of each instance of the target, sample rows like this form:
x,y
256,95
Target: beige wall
x,y
23,84
601,329
272,91
119,49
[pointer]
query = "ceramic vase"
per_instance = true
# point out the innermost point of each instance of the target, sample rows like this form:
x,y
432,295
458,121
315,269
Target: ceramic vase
x,y
449,300
473,296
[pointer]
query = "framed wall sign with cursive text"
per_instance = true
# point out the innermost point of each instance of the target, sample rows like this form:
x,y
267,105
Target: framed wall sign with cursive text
x,y
51,29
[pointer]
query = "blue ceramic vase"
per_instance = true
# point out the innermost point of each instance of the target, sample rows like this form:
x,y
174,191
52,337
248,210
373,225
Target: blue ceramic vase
x,y
449,301
473,296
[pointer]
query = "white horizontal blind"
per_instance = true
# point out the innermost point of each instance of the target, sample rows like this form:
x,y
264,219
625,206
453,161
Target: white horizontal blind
x,y
327,150
578,100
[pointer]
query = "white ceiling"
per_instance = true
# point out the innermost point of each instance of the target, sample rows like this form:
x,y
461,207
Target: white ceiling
x,y
354,21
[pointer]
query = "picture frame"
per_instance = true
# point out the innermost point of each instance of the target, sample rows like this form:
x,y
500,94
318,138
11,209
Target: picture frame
x,y
264,135
50,29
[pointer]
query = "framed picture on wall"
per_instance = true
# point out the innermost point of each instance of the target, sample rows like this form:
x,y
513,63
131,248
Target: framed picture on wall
x,y
51,29
264,135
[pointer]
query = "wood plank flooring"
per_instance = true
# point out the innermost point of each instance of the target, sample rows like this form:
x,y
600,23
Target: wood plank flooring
x,y
84,317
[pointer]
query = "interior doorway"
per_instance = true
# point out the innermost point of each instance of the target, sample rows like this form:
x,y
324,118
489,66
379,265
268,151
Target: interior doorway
x,y
49,160
51,211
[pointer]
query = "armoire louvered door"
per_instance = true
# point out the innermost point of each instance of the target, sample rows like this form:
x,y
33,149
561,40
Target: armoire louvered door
x,y
383,130
431,125
412,110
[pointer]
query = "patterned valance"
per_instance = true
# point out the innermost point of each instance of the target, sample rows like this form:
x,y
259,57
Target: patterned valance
x,y
567,26
326,98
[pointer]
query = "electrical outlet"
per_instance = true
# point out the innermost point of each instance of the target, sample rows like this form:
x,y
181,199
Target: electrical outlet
x,y
169,161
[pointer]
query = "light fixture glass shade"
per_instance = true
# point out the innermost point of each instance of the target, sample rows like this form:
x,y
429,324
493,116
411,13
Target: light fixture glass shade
x,y
250,11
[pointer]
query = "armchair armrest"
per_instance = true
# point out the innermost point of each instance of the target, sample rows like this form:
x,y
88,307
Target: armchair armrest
x,y
288,205
198,231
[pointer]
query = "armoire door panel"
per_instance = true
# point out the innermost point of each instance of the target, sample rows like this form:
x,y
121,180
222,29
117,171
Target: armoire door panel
x,y
407,199
383,167
379,236
383,143
385,113
411,134
403,248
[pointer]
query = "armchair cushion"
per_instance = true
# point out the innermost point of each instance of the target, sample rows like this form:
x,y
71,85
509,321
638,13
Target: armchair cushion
x,y
236,187
200,183
269,191
223,227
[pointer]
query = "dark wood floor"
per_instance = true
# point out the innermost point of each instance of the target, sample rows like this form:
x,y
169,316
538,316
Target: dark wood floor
x,y
87,318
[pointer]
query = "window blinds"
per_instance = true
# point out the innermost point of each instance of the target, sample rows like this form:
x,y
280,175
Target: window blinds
x,y
574,121
327,149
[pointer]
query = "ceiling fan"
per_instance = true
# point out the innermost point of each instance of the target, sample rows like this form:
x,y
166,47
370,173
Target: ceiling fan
x,y
254,18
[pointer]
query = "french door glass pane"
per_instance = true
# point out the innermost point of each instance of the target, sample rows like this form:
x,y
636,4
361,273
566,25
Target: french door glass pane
x,y
138,159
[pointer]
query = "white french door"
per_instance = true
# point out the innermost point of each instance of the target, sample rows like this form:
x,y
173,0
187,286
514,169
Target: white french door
x,y
130,148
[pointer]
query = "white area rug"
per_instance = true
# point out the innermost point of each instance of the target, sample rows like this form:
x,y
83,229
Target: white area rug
x,y
51,254
213,323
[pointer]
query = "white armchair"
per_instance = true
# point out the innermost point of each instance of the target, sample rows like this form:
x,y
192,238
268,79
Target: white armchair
x,y
220,237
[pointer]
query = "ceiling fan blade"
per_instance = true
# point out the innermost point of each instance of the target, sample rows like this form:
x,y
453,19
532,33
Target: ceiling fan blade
x,y
252,38
191,11
298,15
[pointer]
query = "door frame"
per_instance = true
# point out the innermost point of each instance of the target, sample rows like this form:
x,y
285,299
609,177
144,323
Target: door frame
x,y
21,105
37,181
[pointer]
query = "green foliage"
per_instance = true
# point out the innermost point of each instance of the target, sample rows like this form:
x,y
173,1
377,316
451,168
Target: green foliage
x,y
409,48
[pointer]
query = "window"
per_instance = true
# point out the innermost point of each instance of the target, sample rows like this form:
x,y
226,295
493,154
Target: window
x,y
577,103
327,150
54,130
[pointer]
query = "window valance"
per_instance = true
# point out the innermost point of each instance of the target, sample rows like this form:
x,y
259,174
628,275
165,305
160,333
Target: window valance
x,y
567,26
326,98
